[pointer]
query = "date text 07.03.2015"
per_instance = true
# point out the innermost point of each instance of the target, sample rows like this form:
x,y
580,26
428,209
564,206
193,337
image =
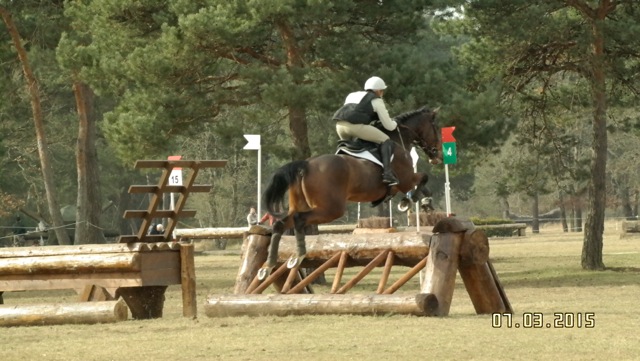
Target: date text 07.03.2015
x,y
540,320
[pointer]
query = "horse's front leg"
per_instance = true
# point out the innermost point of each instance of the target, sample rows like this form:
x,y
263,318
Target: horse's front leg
x,y
423,193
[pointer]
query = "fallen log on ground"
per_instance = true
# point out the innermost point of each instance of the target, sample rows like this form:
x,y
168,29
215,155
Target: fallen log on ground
x,y
319,304
64,313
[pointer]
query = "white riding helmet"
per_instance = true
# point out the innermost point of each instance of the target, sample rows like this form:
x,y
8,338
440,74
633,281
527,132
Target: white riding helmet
x,y
375,83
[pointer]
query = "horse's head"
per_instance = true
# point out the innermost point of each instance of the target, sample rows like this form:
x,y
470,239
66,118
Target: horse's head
x,y
423,132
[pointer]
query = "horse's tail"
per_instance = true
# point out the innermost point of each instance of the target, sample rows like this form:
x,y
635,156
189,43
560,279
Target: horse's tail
x,y
280,182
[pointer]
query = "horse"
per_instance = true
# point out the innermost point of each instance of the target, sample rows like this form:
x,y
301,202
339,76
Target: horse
x,y
320,187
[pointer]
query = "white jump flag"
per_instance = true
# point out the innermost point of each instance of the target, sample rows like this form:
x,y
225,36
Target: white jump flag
x,y
253,143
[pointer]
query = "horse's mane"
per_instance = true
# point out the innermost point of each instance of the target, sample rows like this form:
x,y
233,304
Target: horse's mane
x,y
405,116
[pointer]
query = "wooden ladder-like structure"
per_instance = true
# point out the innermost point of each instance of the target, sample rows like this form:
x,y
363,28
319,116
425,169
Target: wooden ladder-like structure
x,y
158,192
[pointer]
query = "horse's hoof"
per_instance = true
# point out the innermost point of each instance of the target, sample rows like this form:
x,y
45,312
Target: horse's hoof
x,y
295,261
426,205
263,273
404,205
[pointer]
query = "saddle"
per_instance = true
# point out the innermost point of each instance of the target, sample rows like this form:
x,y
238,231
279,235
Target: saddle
x,y
360,149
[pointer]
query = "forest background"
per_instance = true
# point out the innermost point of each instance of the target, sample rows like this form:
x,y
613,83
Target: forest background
x,y
542,94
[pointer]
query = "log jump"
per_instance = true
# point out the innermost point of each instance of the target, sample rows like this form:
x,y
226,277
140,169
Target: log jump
x,y
138,268
240,232
137,272
453,246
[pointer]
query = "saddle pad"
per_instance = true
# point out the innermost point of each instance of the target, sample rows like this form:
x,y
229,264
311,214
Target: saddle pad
x,y
362,155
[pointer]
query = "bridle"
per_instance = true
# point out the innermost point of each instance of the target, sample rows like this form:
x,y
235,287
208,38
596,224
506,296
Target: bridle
x,y
431,151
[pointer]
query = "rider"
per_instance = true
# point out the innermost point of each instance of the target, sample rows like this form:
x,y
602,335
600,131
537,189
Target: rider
x,y
360,110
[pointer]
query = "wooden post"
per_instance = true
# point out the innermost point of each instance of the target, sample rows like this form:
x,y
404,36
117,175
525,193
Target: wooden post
x,y
342,262
188,280
254,255
63,313
441,269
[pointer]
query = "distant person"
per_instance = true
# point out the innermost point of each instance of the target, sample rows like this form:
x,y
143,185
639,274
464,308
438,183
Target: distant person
x,y
157,229
268,217
18,232
252,217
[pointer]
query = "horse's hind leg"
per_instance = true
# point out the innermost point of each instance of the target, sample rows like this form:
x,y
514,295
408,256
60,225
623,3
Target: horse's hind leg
x,y
299,225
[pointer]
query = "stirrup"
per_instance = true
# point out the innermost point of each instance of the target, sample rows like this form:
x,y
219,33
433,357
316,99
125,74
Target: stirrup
x,y
389,180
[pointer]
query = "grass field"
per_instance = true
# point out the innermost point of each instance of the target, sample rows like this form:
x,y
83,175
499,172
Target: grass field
x,y
541,275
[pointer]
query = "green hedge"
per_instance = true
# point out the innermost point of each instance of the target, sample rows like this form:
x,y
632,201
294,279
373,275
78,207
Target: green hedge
x,y
483,223
487,221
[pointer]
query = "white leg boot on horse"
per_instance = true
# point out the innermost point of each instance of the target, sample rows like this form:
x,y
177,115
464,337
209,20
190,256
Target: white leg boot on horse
x,y
272,257
386,152
295,261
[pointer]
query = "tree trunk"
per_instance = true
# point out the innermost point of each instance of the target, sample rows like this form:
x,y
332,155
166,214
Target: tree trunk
x,y
594,227
577,220
297,113
563,212
88,206
43,150
506,209
535,214
625,200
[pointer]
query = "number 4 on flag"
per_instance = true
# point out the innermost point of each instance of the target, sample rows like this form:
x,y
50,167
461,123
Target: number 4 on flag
x,y
449,146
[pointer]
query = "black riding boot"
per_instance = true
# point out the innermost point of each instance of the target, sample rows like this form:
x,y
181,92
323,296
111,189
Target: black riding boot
x,y
386,151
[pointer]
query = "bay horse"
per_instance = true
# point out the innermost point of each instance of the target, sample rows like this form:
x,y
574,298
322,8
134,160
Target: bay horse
x,y
320,186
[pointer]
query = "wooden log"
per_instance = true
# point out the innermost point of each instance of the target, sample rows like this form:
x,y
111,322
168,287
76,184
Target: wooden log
x,y
482,288
409,248
315,274
374,230
317,304
342,263
63,313
474,248
630,226
365,271
441,269
385,273
95,293
503,294
375,222
239,232
77,263
188,281
44,251
254,255
211,233
516,229
406,277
